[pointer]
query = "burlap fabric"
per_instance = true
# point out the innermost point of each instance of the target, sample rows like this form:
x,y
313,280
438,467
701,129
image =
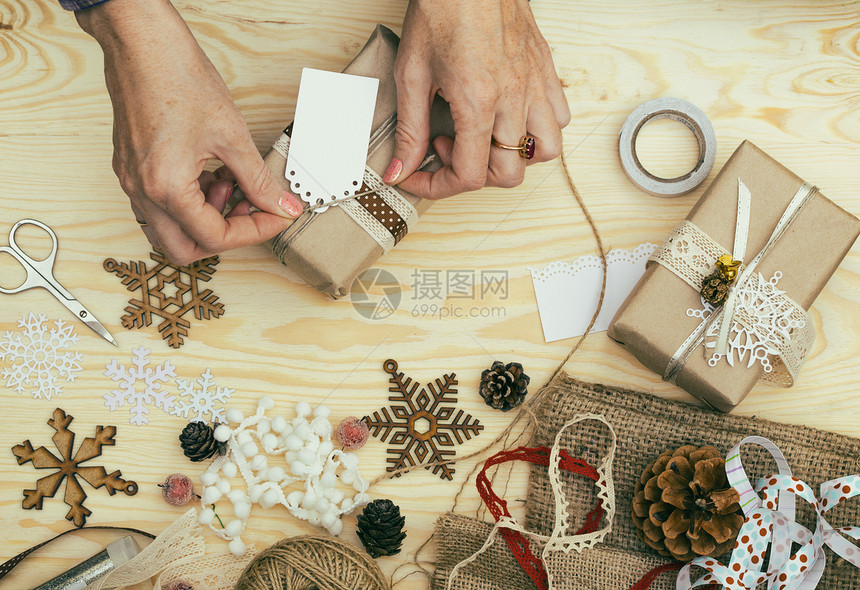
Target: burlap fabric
x,y
645,426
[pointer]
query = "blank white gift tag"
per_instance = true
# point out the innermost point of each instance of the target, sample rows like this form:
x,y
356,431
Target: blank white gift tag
x,y
567,294
331,132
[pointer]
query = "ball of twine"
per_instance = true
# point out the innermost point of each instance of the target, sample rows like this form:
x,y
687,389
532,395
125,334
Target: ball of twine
x,y
310,562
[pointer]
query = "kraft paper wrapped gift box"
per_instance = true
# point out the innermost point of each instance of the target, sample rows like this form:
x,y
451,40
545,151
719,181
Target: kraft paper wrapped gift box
x,y
330,249
653,322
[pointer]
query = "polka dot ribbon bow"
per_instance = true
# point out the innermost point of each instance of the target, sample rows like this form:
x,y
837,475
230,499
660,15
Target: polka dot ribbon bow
x,y
769,520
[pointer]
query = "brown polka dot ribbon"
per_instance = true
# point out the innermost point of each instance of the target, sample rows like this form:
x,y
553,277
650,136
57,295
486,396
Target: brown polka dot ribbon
x,y
373,212
11,564
383,213
770,525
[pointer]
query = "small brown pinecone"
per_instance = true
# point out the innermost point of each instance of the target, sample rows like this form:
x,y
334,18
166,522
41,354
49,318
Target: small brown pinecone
x,y
380,528
683,505
715,288
198,441
504,387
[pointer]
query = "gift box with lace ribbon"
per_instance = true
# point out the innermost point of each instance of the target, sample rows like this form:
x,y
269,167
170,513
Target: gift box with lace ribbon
x,y
776,240
331,248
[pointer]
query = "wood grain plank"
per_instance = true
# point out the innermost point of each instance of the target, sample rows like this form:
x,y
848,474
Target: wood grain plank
x,y
784,73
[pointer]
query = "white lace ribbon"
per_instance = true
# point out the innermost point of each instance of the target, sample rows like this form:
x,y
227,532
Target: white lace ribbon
x,y
756,318
359,214
179,543
560,539
179,552
770,520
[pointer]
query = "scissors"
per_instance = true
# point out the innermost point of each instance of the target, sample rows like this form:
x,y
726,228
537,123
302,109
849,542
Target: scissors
x,y
40,273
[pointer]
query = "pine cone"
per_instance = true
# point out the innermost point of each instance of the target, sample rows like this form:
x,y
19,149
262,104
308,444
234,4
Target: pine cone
x,y
380,528
683,505
198,441
715,288
504,387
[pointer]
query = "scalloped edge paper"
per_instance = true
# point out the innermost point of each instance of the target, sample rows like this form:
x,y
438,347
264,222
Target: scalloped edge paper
x,y
567,293
331,132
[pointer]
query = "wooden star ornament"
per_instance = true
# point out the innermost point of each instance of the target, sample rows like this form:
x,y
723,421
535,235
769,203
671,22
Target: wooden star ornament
x,y
423,420
167,291
68,467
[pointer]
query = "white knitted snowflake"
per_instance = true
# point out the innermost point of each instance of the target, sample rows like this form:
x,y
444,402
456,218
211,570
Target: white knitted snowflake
x,y
37,360
140,386
202,401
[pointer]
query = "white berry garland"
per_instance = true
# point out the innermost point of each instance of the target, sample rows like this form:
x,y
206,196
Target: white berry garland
x,y
310,459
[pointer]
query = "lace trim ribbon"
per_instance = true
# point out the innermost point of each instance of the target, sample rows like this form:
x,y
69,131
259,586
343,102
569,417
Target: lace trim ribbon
x,y
517,543
179,542
560,539
386,215
689,253
758,319
178,553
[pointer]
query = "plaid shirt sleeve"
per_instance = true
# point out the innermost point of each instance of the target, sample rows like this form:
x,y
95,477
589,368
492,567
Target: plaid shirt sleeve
x,y
79,4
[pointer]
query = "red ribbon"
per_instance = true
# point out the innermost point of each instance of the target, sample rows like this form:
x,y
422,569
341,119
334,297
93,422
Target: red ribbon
x,y
648,578
498,507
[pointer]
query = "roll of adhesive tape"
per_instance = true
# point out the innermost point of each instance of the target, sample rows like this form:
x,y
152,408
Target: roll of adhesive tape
x,y
677,110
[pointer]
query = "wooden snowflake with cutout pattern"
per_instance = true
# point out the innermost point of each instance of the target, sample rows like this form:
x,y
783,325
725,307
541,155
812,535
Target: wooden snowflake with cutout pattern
x,y
167,291
422,422
68,467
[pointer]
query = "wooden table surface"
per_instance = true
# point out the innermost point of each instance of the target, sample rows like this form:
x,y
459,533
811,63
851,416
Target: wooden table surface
x,y
785,74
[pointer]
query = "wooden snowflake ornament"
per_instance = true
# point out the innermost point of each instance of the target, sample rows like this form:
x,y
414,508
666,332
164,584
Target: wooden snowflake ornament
x,y
423,421
169,292
69,466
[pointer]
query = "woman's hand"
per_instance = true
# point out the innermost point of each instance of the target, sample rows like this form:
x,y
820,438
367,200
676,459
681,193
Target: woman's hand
x,y
488,59
172,113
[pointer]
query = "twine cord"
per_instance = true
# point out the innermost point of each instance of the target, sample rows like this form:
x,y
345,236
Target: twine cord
x,y
526,406
523,412
312,562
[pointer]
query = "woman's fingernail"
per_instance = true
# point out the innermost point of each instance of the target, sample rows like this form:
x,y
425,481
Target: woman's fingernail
x,y
230,191
393,171
290,205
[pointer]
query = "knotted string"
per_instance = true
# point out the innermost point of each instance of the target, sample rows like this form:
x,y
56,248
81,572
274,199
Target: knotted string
x,y
524,415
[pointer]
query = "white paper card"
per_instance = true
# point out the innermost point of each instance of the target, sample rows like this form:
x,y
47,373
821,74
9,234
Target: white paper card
x,y
331,132
567,294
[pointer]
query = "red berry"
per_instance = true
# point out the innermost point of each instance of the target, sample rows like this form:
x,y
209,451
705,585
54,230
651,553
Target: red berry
x,y
177,489
352,433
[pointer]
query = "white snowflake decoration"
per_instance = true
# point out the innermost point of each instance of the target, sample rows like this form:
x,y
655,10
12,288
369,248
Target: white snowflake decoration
x,y
132,378
762,323
309,459
37,360
202,401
